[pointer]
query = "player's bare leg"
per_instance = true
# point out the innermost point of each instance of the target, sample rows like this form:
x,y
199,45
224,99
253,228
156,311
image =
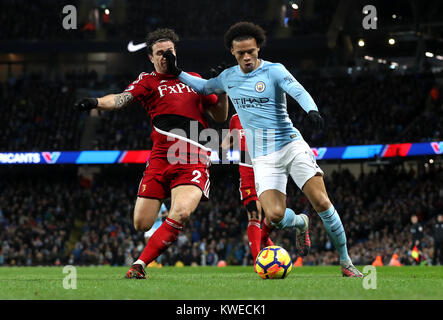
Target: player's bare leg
x,y
145,213
315,191
277,215
273,203
184,200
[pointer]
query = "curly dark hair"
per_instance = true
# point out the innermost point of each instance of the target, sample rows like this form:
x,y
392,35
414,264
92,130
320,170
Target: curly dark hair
x,y
245,30
160,34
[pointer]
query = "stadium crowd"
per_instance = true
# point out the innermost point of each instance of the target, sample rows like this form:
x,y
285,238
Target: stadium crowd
x,y
371,108
35,116
35,219
134,19
357,110
58,220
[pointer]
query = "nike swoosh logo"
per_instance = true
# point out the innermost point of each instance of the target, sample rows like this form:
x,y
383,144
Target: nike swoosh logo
x,y
230,87
135,47
266,254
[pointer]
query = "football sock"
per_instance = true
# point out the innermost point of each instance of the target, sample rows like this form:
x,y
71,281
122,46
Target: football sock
x,y
254,237
265,232
290,220
161,239
336,232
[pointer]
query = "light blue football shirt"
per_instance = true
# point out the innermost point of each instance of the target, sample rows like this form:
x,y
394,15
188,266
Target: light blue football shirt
x,y
259,97
160,212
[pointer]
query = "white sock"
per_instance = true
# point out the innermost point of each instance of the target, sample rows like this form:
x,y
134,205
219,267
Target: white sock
x,y
140,262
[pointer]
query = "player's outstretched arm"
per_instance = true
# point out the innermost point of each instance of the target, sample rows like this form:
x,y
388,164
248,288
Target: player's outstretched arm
x,y
115,101
291,86
107,103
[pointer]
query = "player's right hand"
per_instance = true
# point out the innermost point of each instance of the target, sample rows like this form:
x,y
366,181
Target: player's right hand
x,y
86,104
171,63
316,119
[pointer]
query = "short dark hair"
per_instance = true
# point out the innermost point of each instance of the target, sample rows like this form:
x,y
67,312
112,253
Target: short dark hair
x,y
245,30
163,34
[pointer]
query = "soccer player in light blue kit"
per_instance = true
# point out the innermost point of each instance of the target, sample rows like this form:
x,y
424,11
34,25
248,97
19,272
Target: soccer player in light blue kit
x,y
257,89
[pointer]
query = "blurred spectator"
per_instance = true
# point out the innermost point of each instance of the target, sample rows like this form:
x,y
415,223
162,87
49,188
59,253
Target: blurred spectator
x,y
416,231
438,241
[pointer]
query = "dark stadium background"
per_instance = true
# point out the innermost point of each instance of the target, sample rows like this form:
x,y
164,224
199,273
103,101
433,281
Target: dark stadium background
x,y
82,215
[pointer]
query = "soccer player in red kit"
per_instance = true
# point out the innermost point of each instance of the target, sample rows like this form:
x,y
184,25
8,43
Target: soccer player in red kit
x,y
178,166
257,236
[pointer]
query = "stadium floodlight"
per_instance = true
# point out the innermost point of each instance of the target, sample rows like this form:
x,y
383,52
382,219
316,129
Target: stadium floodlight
x,y
394,16
393,65
107,11
361,43
391,41
294,6
429,54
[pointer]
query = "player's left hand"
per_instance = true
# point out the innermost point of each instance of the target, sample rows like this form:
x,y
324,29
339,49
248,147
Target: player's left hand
x,y
171,63
86,104
316,119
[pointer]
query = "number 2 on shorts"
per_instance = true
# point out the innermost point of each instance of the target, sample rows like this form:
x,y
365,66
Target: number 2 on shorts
x,y
197,176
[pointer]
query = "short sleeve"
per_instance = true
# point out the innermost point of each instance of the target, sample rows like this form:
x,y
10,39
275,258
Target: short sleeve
x,y
231,124
209,100
138,88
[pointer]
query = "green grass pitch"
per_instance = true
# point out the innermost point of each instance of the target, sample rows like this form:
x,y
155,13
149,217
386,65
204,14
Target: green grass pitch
x,y
213,283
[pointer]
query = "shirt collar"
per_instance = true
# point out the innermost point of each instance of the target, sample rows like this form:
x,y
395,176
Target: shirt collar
x,y
252,72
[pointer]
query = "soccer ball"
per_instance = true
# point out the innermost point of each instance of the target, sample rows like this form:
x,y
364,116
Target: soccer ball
x,y
273,262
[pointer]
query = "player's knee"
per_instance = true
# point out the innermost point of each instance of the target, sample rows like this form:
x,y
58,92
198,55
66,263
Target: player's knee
x,y
276,213
141,224
180,214
321,203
